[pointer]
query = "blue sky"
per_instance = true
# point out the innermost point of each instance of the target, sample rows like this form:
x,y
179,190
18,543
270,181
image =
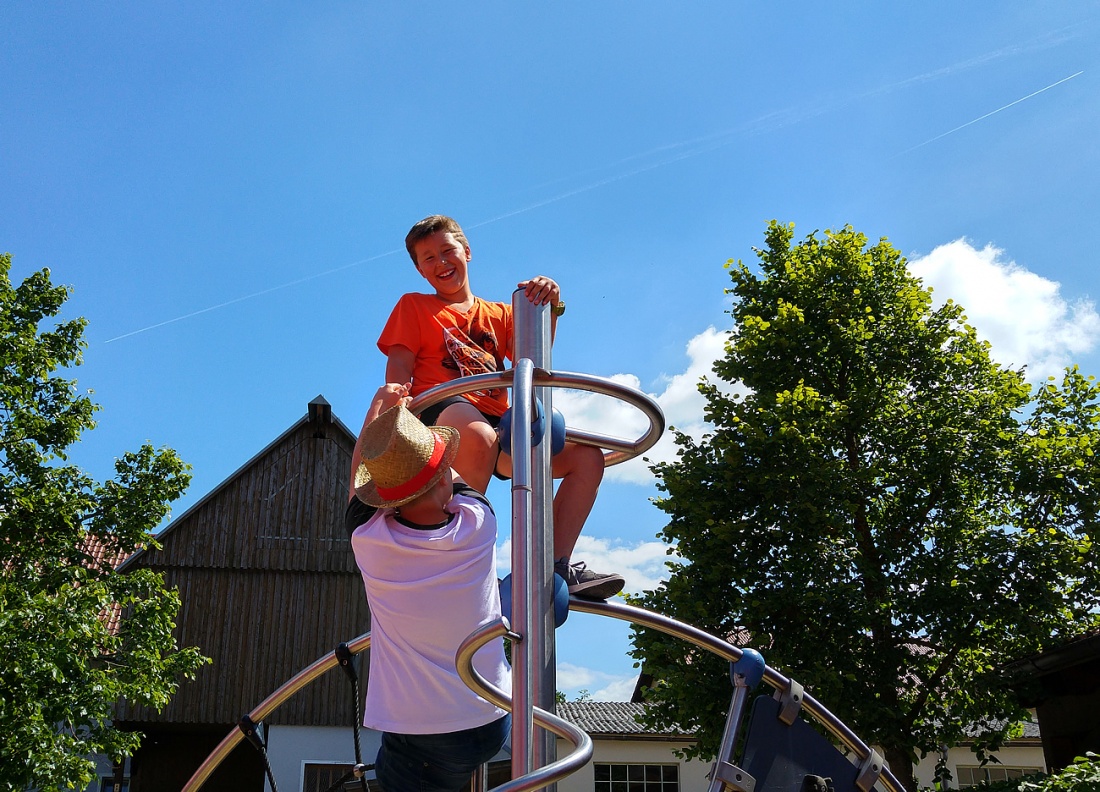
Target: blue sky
x,y
227,187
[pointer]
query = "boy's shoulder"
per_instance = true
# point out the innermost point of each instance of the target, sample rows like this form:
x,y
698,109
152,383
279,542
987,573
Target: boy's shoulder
x,y
358,513
464,489
431,304
417,297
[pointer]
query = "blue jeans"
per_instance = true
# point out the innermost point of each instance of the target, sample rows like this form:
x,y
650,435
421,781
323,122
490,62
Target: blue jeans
x,y
437,762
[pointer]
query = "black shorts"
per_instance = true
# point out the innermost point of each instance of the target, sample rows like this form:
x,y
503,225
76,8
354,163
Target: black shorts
x,y
431,415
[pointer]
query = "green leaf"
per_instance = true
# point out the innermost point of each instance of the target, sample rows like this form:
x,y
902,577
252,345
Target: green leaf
x,y
886,512
64,668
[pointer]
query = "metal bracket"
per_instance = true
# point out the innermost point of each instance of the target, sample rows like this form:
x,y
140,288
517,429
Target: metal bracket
x,y
733,778
251,730
343,657
870,771
790,703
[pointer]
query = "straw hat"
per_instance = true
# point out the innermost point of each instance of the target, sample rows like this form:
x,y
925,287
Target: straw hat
x,y
402,458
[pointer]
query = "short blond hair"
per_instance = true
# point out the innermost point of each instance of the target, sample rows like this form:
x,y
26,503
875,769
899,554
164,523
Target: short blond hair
x,y
430,225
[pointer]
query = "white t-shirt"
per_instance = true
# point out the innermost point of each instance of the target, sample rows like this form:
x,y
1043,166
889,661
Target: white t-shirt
x,y
427,591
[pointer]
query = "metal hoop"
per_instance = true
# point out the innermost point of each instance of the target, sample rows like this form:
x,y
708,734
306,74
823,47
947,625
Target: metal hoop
x,y
617,450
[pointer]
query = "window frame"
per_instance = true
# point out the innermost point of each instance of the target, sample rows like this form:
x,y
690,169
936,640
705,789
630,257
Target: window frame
x,y
636,776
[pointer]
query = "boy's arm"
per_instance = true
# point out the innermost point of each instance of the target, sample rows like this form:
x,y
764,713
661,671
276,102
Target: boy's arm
x,y
399,364
541,290
387,396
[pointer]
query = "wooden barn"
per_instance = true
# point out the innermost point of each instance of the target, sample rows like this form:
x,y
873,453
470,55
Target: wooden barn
x,y
269,584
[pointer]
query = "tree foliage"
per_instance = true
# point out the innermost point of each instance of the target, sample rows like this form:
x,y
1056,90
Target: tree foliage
x,y
1082,775
887,512
76,636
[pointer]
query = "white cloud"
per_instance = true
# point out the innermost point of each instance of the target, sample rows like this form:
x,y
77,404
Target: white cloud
x,y
680,401
599,686
1023,315
642,565
574,677
616,690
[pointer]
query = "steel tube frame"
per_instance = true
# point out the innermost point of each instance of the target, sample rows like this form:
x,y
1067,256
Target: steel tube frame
x,y
540,777
615,610
620,450
533,656
269,705
524,650
523,379
730,652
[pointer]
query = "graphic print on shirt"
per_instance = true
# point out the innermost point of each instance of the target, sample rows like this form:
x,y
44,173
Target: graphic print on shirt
x,y
470,356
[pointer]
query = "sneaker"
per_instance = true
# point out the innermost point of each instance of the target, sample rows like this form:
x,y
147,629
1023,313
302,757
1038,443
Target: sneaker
x,y
585,583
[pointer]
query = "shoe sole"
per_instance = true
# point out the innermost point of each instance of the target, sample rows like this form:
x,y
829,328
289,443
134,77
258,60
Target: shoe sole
x,y
598,589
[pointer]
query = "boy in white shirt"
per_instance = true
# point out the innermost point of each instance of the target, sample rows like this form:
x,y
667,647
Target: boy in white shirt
x,y
425,542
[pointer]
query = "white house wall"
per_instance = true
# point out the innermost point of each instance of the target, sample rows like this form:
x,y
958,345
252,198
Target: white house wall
x,y
104,768
1010,756
692,773
290,748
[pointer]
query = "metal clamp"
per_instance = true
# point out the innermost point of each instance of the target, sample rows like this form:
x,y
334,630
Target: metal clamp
x,y
790,702
733,778
869,771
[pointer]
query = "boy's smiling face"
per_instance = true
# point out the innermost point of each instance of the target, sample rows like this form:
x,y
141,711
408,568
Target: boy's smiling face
x,y
442,260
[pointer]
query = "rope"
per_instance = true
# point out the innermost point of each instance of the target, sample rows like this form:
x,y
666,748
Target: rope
x,y
344,656
248,728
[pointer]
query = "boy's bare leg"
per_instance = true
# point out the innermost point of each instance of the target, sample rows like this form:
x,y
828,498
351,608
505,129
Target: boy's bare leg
x,y
580,469
477,445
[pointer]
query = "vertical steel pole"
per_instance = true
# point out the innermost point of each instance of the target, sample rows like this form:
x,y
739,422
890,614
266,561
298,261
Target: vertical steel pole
x,y
523,623
532,540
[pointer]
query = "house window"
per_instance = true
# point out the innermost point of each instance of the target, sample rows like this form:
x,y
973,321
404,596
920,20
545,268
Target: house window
x,y
637,777
319,777
969,775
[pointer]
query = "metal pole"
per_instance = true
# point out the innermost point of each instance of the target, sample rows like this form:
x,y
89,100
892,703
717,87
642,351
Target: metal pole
x,y
544,777
532,539
522,601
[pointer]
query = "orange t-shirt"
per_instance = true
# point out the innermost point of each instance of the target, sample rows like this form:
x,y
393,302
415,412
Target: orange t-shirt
x,y
448,344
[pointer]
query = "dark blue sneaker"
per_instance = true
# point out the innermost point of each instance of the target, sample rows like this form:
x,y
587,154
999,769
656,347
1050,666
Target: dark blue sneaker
x,y
586,584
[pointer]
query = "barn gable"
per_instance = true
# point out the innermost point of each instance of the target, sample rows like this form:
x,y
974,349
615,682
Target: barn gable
x,y
268,582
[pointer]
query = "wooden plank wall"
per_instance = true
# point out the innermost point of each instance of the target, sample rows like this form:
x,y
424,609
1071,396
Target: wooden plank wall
x,y
269,584
285,511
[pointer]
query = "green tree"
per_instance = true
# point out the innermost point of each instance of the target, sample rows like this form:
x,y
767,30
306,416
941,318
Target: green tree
x,y
75,635
885,511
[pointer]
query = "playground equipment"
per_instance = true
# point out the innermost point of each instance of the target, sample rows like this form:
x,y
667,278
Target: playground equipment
x,y
780,750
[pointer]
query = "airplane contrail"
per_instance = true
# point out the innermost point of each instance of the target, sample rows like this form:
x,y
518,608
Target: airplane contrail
x,y
675,152
987,115
242,298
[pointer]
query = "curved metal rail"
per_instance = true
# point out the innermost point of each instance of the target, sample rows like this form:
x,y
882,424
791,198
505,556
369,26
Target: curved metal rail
x,y
583,744
705,640
618,449
269,705
542,776
464,658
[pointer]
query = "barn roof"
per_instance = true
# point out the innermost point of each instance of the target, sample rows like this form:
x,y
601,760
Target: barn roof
x,y
267,581
319,416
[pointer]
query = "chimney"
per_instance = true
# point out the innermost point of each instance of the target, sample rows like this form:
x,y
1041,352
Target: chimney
x,y
320,416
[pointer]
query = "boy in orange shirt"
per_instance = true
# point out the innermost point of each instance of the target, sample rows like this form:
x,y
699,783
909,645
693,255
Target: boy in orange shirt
x,y
434,338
